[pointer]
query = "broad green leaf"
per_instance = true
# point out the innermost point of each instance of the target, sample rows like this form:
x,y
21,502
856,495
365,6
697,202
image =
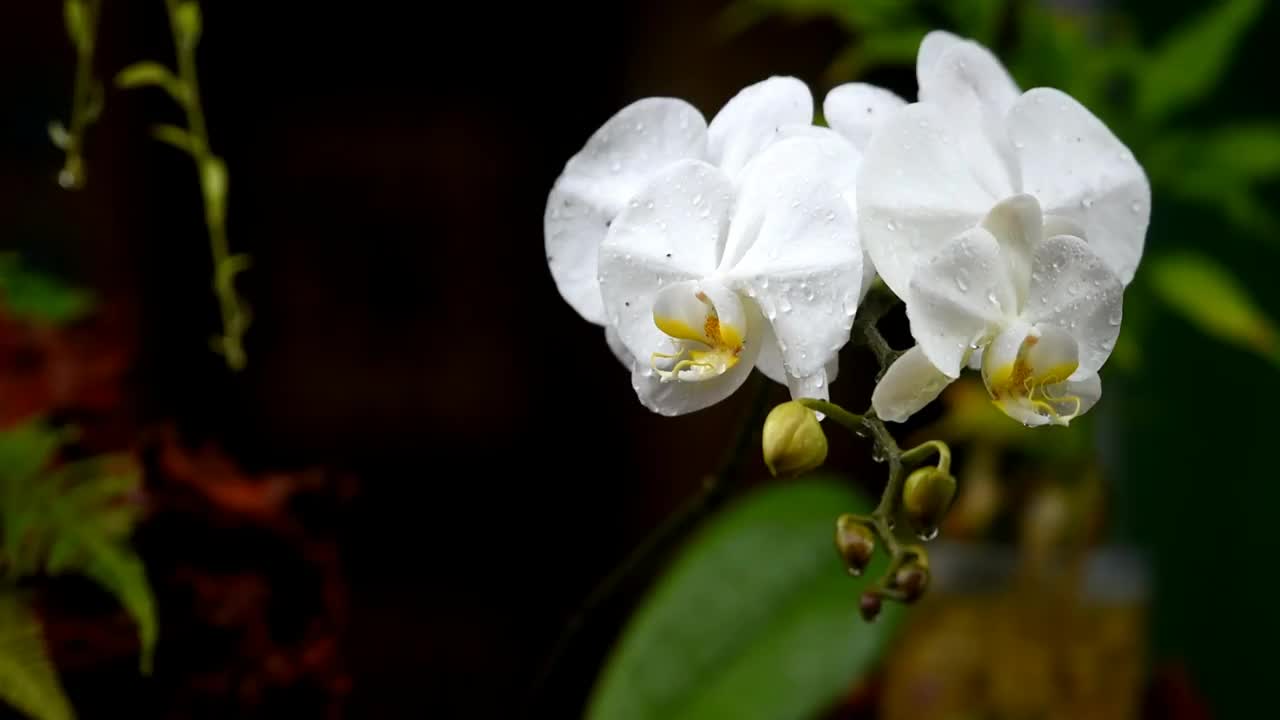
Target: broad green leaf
x,y
152,74
27,294
756,618
1210,297
1192,59
28,680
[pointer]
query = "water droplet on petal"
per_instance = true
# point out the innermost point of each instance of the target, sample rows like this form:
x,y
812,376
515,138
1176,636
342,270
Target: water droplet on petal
x,y
891,225
962,281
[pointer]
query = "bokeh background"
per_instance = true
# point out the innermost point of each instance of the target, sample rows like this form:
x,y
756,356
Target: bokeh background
x,y
430,459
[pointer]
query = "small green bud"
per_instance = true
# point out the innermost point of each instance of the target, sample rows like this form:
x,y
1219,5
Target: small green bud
x,y
926,497
793,440
856,543
911,580
869,605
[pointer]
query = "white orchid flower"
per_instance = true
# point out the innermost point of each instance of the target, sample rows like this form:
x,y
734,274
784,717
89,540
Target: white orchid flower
x,y
1043,308
705,277
962,199
642,141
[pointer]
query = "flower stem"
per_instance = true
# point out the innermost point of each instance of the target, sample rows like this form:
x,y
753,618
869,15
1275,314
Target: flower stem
x,y
86,97
211,172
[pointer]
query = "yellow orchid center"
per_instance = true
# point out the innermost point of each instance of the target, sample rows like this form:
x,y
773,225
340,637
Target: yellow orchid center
x,y
1026,369
707,328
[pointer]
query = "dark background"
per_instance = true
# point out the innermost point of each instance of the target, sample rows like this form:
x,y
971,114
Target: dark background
x,y
389,165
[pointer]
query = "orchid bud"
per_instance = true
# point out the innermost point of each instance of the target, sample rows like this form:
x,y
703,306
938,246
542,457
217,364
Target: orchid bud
x,y
869,605
856,543
912,579
793,440
926,497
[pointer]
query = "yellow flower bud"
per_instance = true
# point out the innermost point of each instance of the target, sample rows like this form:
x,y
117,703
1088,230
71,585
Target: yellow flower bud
x,y
925,499
856,543
793,440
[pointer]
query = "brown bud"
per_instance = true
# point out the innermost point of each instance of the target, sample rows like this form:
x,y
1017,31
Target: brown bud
x,y
911,580
856,543
869,605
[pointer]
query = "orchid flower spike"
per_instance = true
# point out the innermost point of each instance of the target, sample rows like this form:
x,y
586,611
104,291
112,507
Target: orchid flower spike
x,y
1009,223
705,275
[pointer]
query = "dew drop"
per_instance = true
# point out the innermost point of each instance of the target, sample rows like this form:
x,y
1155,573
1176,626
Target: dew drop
x,y
891,225
1114,320
1136,207
962,281
927,534
697,199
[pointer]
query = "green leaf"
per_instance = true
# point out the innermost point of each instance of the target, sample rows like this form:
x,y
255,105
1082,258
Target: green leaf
x,y
74,518
31,295
187,21
756,618
28,680
1192,59
1210,297
153,74
175,136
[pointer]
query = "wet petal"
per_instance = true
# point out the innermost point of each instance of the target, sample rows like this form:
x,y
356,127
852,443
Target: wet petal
x,y
1079,170
752,120
960,299
911,383
642,139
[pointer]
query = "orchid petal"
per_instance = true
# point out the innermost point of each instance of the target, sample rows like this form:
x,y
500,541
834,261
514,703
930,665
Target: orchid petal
x,y
793,246
679,398
1073,288
911,383
661,237
918,189
616,162
857,110
752,119
1016,223
960,299
1078,169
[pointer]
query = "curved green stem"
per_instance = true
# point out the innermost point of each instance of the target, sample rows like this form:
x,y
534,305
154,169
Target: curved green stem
x,y
86,97
212,175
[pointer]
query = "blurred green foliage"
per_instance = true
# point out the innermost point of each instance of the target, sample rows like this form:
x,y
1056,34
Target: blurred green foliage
x,y
31,295
70,517
753,619
59,517
28,680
